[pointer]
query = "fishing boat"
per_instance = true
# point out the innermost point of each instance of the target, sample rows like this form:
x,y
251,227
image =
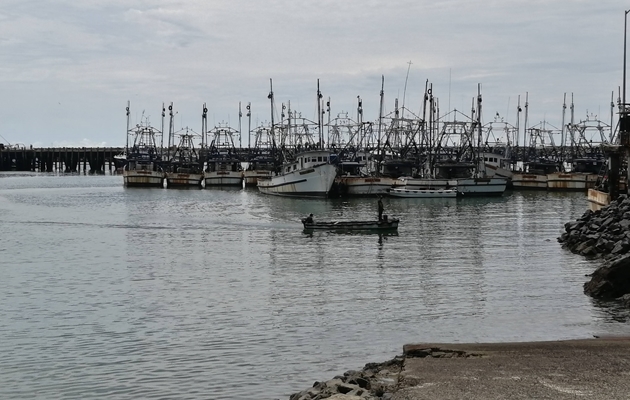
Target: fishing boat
x,y
422,193
144,163
223,166
384,225
357,179
185,168
310,175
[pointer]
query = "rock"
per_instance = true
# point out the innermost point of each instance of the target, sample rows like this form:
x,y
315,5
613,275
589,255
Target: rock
x,y
621,247
610,281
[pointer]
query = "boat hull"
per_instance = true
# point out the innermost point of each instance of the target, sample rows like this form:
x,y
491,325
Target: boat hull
x,y
467,187
423,193
391,224
223,178
143,178
366,186
251,177
522,181
567,182
428,183
312,182
174,180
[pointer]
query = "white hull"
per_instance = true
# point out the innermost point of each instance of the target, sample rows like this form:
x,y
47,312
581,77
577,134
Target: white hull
x,y
312,182
174,179
223,178
251,177
428,183
529,181
481,186
366,186
143,178
423,193
567,181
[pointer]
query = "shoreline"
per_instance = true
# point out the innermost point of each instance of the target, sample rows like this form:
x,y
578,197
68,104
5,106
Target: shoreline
x,y
596,368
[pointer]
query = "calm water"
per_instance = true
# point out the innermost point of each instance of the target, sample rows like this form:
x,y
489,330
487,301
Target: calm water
x,y
218,294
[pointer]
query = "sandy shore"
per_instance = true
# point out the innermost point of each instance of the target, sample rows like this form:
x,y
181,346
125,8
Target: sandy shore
x,y
587,369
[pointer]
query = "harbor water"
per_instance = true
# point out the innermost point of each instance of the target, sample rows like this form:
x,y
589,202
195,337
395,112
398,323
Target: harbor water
x,y
123,293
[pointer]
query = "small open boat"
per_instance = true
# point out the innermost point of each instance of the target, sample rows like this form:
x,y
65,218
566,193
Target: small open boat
x,y
422,193
385,224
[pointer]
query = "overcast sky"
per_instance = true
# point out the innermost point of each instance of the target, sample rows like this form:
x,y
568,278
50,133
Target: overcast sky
x,y
68,67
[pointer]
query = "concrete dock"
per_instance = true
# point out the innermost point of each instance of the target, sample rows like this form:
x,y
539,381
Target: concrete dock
x,y
588,369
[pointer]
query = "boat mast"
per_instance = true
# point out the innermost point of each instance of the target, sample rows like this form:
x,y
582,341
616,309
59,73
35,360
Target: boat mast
x,y
273,133
518,130
360,121
249,125
127,109
171,133
562,131
319,117
479,133
162,132
380,124
328,129
612,113
240,117
572,149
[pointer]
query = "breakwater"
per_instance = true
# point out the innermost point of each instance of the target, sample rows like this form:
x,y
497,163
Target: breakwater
x,y
605,234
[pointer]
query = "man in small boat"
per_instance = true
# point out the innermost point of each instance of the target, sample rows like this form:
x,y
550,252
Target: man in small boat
x,y
309,219
380,208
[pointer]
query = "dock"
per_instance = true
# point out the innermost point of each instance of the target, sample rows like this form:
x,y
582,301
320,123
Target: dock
x,y
93,160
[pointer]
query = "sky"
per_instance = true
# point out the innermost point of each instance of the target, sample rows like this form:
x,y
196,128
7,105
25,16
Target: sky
x,y
68,67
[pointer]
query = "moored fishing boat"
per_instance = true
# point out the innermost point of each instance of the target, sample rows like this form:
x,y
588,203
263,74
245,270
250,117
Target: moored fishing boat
x,y
383,225
143,167
423,193
310,175
185,168
223,167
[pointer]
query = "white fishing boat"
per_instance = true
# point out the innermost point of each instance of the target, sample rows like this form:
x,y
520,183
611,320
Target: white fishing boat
x,y
423,193
185,168
467,187
525,180
535,175
427,183
259,167
143,167
223,167
495,165
310,175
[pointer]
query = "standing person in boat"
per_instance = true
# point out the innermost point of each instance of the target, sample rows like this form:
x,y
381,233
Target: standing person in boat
x,y
380,208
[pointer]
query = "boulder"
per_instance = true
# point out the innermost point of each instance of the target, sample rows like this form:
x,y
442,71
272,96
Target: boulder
x,y
611,280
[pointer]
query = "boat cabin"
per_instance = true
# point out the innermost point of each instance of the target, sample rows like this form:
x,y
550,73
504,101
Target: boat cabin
x,y
542,167
588,165
307,160
454,170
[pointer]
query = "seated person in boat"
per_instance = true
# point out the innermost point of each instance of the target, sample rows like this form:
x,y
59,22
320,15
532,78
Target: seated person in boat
x,y
309,219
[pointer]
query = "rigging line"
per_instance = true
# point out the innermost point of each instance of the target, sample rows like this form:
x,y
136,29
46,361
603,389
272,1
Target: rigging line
x,y
5,139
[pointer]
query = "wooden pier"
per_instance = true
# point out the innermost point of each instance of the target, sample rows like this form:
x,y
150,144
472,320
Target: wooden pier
x,y
89,160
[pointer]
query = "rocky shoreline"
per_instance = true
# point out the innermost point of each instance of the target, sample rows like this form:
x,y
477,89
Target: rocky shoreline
x,y
376,381
604,234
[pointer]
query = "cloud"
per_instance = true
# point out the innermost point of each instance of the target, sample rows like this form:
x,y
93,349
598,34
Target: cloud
x,y
98,54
